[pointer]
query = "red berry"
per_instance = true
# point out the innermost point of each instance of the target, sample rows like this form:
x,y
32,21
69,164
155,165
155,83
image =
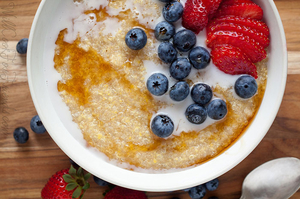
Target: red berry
x,y
212,6
232,2
245,10
195,15
233,61
249,46
251,23
120,192
259,37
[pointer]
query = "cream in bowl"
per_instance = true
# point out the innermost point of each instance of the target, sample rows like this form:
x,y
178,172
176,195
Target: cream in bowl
x,y
96,81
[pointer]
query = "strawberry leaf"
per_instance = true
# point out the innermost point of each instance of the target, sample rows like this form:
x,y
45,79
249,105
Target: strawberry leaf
x,y
71,186
68,178
86,186
87,176
80,172
72,171
77,192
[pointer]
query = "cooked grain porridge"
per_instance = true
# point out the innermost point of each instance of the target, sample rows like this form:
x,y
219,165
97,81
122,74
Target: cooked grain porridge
x,y
103,84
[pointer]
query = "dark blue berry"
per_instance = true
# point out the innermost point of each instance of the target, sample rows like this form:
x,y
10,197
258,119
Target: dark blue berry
x,y
199,57
197,192
100,182
172,11
164,31
184,40
136,39
175,198
74,164
201,93
179,91
21,135
213,197
165,1
245,86
166,52
217,109
162,126
180,68
212,185
36,125
22,46
157,84
196,114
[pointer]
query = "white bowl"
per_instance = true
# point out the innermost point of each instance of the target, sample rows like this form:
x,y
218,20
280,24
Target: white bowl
x,y
57,119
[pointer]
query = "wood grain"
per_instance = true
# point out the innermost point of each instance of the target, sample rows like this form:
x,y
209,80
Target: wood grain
x,y
26,168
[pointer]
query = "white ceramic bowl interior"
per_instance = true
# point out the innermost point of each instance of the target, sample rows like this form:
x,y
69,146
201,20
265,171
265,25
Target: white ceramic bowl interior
x,y
53,112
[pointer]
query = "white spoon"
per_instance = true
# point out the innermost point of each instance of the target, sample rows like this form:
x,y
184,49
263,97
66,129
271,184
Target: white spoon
x,y
276,179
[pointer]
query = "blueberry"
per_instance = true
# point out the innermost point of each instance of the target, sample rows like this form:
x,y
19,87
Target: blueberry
x,y
166,52
136,39
245,86
74,164
180,68
217,109
157,84
36,125
184,40
201,93
100,182
172,11
197,192
165,1
164,31
22,46
199,57
162,126
196,114
175,198
212,185
21,135
179,91
213,197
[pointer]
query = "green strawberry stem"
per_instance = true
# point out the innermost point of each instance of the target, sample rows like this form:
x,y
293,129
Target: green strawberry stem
x,y
77,180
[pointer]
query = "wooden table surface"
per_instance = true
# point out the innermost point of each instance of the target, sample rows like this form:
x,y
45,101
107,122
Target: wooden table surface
x,y
24,169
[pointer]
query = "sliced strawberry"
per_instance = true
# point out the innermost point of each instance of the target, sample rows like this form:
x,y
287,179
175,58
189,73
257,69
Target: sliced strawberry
x,y
231,60
245,10
195,15
212,6
247,31
249,46
232,2
251,23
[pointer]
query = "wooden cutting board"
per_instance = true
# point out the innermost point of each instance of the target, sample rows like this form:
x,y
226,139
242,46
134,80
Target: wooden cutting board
x,y
24,169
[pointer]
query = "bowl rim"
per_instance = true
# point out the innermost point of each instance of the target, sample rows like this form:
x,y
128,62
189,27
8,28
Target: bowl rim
x,y
140,181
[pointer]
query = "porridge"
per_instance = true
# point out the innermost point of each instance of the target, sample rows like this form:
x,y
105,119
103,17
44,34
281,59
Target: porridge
x,y
103,82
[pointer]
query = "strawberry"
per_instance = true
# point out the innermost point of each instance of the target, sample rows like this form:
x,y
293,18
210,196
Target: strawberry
x,y
231,60
65,184
195,15
212,6
249,46
259,37
123,193
245,10
251,23
232,2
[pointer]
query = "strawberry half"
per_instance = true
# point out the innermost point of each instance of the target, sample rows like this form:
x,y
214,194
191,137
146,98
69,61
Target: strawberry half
x,y
195,15
212,6
233,61
247,31
232,2
65,184
251,23
123,193
249,46
245,10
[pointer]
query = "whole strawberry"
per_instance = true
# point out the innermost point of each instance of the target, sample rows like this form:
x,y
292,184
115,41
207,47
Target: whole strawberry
x,y
123,193
65,184
195,15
